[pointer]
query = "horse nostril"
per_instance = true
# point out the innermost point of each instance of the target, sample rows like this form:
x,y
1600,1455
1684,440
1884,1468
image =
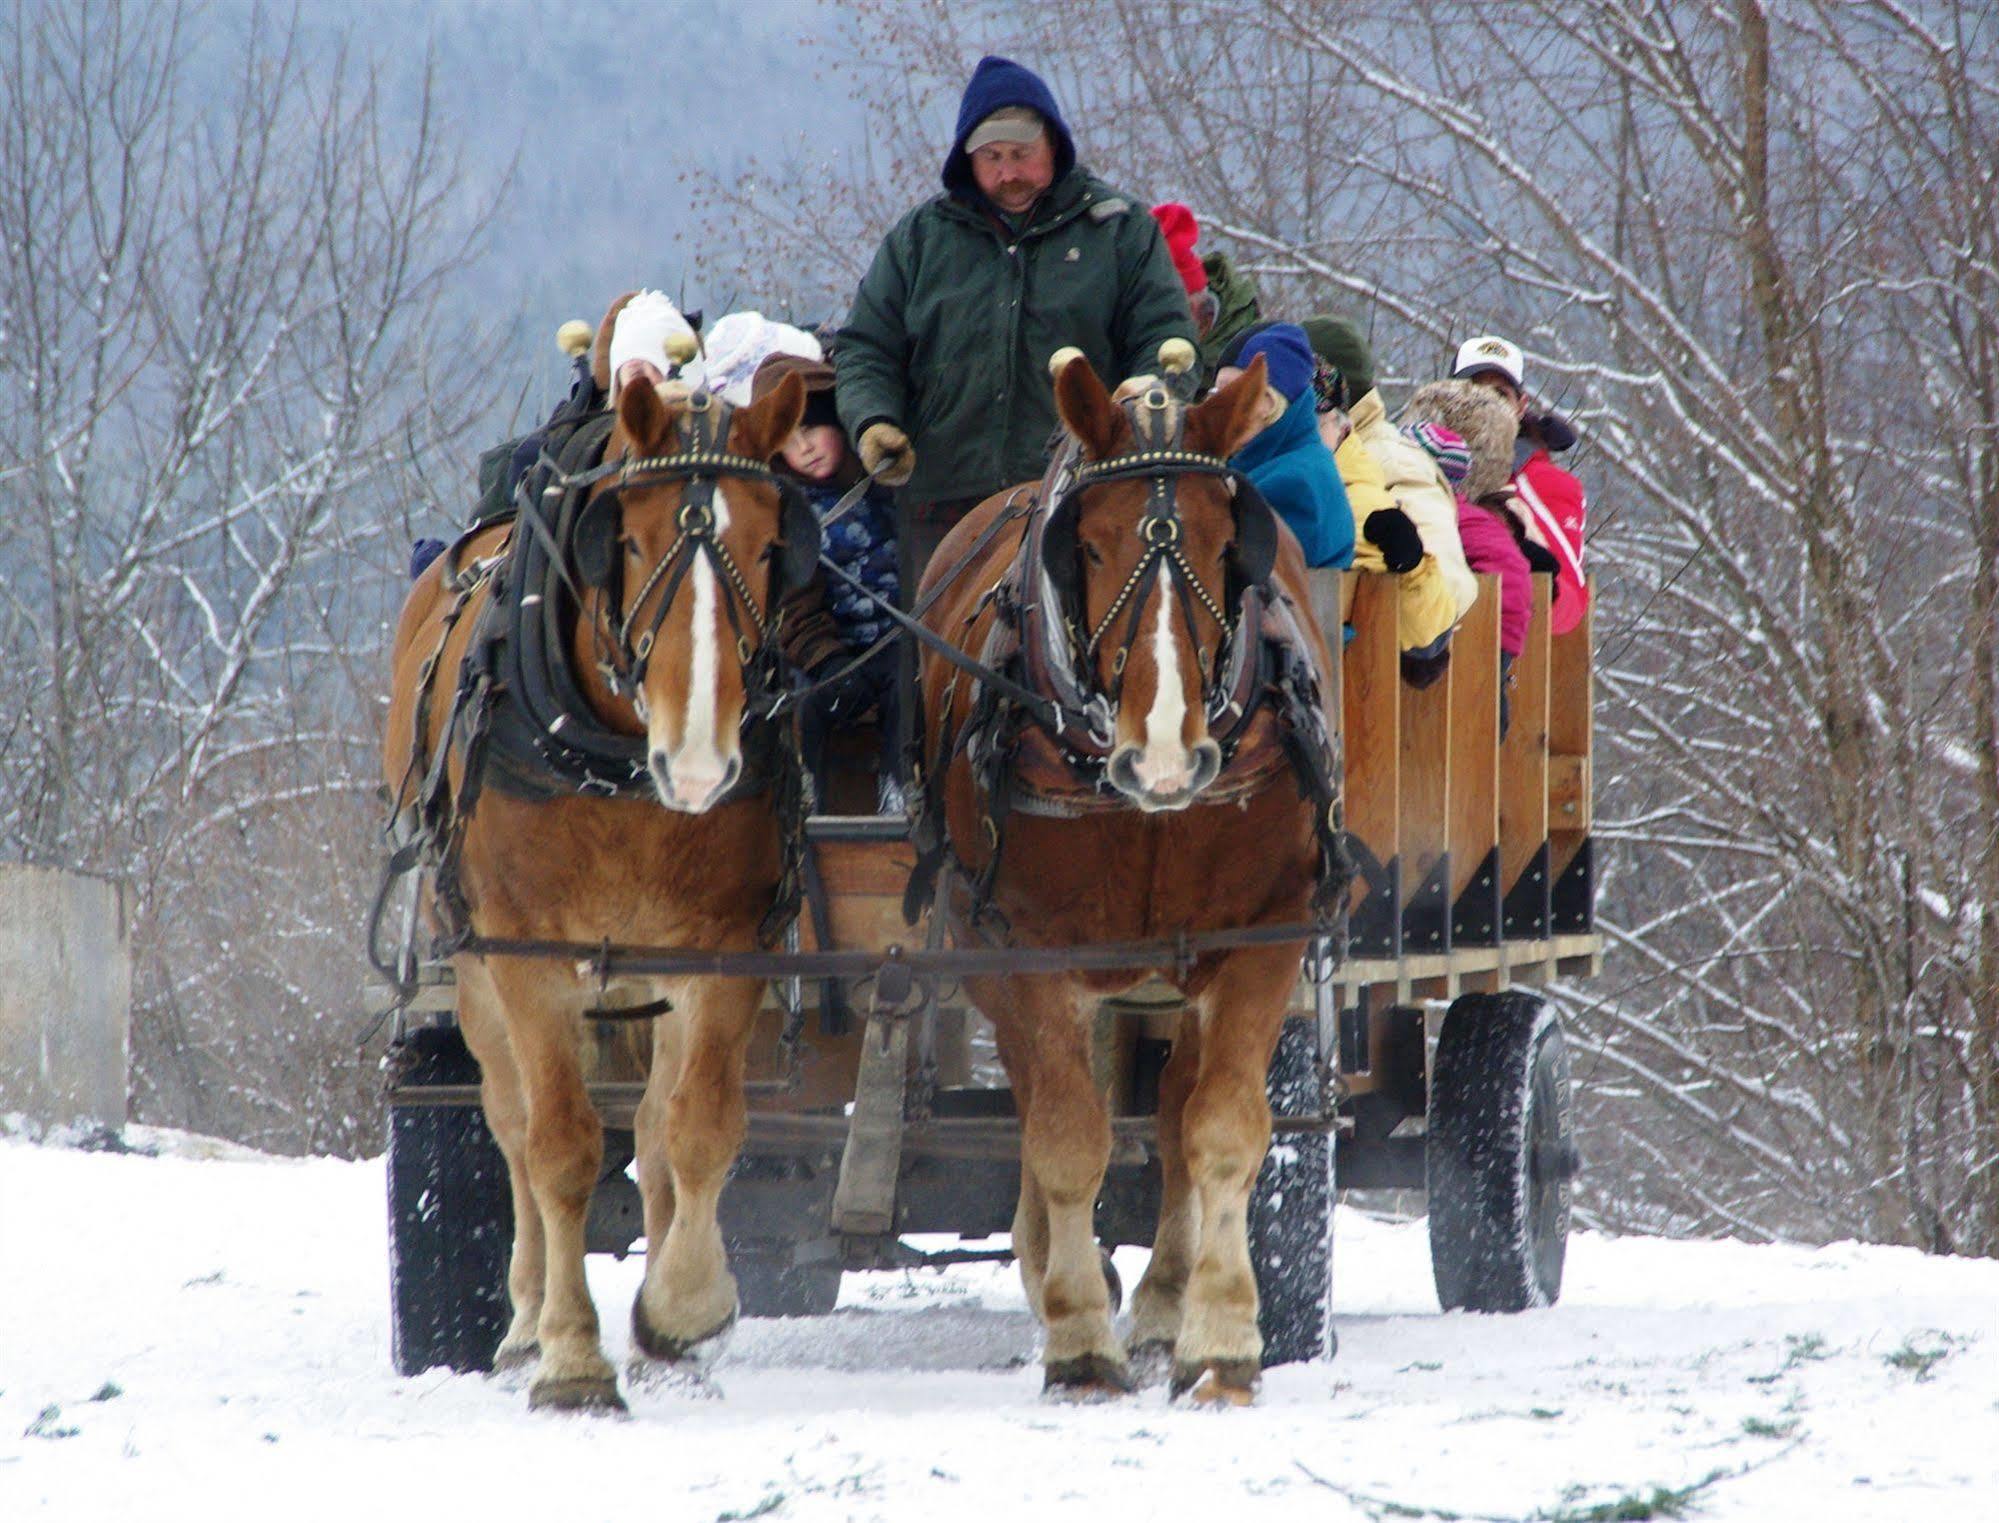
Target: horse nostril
x,y
1207,765
729,775
1122,769
661,767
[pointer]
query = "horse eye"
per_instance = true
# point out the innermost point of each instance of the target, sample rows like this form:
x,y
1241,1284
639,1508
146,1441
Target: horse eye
x,y
1095,555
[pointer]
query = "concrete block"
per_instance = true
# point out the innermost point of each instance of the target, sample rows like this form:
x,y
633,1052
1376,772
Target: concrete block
x,y
65,996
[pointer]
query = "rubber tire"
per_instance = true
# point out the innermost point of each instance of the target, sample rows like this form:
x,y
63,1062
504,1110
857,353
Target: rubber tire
x,y
451,1218
1291,1211
768,1284
1500,1154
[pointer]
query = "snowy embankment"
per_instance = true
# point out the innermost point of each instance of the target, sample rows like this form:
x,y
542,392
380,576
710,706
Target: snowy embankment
x,y
205,1337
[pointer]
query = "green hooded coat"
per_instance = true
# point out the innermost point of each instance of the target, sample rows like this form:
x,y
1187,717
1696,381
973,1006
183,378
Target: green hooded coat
x,y
1236,309
952,328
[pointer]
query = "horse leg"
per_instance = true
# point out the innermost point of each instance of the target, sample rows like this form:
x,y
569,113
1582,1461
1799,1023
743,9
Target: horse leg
x,y
649,1126
565,1152
1030,1212
688,1295
1225,1131
1066,1146
484,1026
1156,1304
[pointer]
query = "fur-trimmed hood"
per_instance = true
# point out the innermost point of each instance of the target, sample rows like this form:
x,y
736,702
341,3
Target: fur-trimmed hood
x,y
1486,421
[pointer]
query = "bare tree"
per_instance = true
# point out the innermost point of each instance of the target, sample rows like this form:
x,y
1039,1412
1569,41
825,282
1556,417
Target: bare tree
x,y
1756,252
219,283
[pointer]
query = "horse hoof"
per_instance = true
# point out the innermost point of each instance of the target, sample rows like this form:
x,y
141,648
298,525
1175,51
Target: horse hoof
x,y
1088,1377
1219,1383
657,1345
579,1393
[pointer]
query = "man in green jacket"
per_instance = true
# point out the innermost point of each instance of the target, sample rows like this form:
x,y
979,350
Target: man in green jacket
x,y
943,363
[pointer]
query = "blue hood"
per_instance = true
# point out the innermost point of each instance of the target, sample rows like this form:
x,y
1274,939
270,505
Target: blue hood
x,y
998,82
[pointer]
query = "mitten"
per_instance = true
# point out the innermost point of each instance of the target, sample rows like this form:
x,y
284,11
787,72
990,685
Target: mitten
x,y
884,442
1392,532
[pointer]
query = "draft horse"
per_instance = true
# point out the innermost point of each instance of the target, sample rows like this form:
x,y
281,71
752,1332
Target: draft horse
x,y
680,559
1164,597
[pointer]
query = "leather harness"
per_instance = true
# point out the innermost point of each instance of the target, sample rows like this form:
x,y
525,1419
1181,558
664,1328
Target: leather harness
x,y
1262,703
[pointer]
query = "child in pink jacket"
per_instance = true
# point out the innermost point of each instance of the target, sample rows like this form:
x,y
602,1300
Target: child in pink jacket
x,y
1490,548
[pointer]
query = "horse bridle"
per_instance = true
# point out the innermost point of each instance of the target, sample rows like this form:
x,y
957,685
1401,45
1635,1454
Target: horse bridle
x,y
700,465
1160,462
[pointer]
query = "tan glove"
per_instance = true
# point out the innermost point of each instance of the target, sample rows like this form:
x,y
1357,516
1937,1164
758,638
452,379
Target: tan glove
x,y
885,442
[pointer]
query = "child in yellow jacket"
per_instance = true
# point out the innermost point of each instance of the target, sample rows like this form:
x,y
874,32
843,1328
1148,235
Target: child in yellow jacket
x,y
1398,529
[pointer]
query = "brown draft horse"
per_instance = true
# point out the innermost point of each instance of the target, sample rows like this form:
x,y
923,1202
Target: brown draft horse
x,y
695,874
1162,864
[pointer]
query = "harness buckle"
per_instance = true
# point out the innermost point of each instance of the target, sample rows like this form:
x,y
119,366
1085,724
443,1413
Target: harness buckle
x,y
697,518
1154,522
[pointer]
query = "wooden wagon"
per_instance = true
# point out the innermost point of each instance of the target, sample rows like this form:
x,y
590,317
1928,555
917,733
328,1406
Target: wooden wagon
x,y
1416,1056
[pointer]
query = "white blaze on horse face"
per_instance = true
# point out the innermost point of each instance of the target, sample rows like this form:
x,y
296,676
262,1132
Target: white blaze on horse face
x,y
709,755
1164,764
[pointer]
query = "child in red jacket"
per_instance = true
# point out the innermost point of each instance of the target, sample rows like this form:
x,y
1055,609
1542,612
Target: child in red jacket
x,y
1545,500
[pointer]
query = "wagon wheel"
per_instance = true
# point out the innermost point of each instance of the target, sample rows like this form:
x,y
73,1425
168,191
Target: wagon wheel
x,y
1291,1211
1501,1154
451,1215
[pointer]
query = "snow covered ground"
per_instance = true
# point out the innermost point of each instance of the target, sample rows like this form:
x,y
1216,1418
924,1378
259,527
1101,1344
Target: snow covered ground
x,y
202,1335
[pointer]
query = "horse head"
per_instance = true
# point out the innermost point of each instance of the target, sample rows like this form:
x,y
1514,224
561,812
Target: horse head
x,y
690,546
1150,550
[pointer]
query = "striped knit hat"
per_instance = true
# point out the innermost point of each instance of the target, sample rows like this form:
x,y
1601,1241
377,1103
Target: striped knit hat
x,y
1445,446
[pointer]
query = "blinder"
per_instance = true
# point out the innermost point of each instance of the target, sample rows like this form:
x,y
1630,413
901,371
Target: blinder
x,y
799,541
1254,553
594,541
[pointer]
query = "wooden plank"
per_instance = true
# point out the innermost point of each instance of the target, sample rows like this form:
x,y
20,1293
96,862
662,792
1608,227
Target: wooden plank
x,y
1424,784
1372,677
1523,778
1571,739
1568,796
1474,809
865,867
1475,735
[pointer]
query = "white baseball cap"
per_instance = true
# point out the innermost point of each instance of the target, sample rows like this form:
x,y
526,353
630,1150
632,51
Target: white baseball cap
x,y
1490,352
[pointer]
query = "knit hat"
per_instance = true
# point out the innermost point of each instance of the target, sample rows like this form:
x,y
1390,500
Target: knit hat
x,y
647,328
740,342
1446,446
1177,223
1286,354
817,376
1481,417
1343,346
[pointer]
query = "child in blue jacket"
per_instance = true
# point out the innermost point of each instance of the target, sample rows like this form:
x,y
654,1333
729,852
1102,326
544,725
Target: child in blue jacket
x,y
1288,461
861,542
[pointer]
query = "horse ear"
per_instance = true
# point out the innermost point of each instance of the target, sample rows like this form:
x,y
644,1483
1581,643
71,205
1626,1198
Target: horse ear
x,y
1231,416
759,430
1087,409
600,352
643,415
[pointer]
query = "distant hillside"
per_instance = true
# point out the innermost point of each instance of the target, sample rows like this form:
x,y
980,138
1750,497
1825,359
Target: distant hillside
x,y
597,108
